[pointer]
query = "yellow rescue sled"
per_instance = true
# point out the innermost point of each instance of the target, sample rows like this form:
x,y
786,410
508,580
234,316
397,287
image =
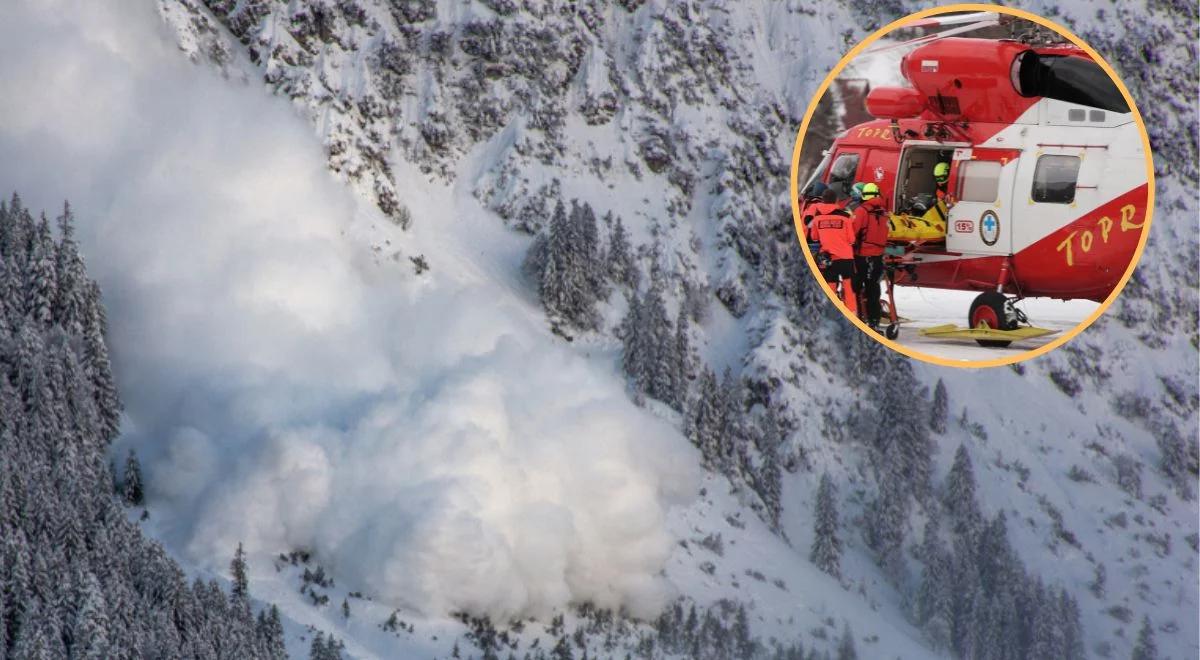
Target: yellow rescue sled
x,y
912,228
984,335
929,226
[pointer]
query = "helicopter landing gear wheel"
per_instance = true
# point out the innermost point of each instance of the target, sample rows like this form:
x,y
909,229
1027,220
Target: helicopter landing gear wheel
x,y
893,331
991,309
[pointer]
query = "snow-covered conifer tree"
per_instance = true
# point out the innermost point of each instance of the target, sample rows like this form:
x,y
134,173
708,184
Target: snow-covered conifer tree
x,y
826,550
649,357
768,477
684,360
940,410
566,266
885,522
1073,648
587,253
41,280
131,488
1146,648
958,495
91,623
659,335
846,649
97,366
318,650
622,268
240,588
706,418
1175,462
70,302
933,595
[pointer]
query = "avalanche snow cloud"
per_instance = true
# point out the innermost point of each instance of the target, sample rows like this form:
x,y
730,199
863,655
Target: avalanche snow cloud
x,y
284,388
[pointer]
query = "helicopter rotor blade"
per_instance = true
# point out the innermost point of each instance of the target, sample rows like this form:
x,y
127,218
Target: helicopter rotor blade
x,y
955,19
978,25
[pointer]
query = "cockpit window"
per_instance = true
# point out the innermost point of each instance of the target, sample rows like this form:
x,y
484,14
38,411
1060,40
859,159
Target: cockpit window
x,y
841,175
816,176
1066,78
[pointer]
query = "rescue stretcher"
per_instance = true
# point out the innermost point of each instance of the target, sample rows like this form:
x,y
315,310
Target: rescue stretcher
x,y
906,234
930,227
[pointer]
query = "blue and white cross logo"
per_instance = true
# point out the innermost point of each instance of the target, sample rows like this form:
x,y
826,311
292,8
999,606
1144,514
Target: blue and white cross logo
x,y
989,227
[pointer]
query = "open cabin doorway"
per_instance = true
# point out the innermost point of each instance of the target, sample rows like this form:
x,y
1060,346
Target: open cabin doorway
x,y
916,191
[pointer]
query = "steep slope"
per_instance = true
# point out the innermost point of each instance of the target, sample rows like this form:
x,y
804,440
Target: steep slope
x,y
684,112
465,124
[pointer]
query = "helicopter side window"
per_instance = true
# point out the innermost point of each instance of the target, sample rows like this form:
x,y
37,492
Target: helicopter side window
x,y
979,180
841,175
1054,179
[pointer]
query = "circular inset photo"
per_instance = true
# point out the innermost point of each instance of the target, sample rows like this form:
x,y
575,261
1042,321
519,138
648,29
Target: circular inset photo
x,y
973,188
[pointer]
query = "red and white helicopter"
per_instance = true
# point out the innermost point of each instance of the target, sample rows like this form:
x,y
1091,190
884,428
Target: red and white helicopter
x,y
1048,171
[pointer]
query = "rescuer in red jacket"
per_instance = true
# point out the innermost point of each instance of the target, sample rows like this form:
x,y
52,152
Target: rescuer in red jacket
x,y
871,232
833,228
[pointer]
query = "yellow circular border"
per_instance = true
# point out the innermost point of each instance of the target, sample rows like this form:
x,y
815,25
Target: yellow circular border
x,y
1137,117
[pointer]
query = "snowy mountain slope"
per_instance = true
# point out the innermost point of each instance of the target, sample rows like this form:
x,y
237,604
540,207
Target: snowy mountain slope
x,y
471,120
257,336
774,54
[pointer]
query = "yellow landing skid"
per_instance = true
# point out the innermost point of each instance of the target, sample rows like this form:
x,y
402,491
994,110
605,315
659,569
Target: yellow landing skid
x,y
951,331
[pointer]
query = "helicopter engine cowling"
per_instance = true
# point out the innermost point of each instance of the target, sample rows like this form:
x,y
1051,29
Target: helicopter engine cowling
x,y
894,102
967,79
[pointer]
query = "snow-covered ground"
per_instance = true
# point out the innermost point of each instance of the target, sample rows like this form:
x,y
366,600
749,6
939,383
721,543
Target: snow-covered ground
x,y
926,308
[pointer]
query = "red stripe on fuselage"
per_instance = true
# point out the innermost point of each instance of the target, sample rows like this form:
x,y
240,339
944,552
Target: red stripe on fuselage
x,y
1084,259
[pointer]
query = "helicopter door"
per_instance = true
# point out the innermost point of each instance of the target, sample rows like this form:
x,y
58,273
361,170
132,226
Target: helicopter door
x,y
980,219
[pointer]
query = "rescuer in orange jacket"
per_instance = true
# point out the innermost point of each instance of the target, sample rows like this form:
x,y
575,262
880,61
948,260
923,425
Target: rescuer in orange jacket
x,y
833,228
811,199
871,232
825,202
